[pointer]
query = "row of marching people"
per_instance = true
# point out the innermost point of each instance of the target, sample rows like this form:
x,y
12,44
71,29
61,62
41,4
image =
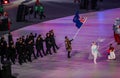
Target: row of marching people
x,y
24,48
84,4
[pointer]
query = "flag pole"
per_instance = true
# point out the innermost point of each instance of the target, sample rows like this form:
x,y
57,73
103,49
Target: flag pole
x,y
79,29
76,33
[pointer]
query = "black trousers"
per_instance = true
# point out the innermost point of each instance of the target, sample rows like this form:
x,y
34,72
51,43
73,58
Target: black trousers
x,y
41,14
35,14
69,54
39,53
48,51
53,47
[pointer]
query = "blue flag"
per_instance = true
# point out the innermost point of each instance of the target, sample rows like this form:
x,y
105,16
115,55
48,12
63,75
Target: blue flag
x,y
76,20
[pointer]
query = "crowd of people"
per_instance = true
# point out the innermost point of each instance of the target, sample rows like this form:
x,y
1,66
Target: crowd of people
x,y
88,4
39,10
26,12
25,47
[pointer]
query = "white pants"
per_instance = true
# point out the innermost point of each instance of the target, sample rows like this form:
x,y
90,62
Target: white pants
x,y
95,57
111,56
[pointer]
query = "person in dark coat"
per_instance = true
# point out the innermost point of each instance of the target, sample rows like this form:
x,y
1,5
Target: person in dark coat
x,y
32,42
24,51
10,38
31,51
35,10
3,45
53,42
12,53
20,51
27,54
23,39
30,11
48,44
27,39
39,46
41,11
8,52
31,37
17,47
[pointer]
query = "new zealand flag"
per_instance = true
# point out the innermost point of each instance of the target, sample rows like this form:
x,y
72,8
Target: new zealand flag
x,y
78,20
